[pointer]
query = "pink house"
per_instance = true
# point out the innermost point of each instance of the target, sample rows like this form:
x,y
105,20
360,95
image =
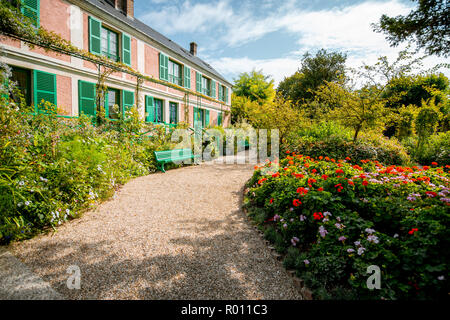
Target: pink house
x,y
108,27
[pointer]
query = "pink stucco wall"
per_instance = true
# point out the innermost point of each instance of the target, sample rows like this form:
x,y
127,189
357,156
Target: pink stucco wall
x,y
55,16
64,94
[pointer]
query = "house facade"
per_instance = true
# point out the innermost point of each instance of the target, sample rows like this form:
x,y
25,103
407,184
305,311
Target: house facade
x,y
109,28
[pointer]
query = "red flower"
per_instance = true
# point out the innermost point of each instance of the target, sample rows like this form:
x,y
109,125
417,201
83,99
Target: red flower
x,y
296,202
317,215
275,175
271,200
431,193
311,180
365,183
324,177
299,175
413,230
339,171
348,159
350,182
426,167
288,152
262,180
302,191
313,170
434,164
320,189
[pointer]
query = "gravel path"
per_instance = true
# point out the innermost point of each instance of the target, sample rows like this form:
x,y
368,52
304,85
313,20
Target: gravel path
x,y
178,235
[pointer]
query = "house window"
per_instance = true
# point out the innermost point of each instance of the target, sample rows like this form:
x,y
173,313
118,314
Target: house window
x,y
206,86
110,44
22,78
159,111
112,104
175,73
173,112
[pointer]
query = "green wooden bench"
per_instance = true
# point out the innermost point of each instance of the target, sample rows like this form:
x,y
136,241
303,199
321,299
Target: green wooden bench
x,y
163,157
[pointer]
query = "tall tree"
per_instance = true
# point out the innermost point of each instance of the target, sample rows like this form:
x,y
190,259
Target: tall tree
x,y
428,26
315,71
255,86
359,102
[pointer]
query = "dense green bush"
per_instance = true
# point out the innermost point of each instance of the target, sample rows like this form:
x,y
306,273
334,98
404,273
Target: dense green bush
x,y
52,168
435,149
328,139
334,219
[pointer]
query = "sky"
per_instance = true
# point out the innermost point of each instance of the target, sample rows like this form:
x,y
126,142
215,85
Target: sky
x,y
236,36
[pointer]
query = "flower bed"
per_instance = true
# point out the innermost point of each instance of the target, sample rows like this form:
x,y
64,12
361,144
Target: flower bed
x,y
334,219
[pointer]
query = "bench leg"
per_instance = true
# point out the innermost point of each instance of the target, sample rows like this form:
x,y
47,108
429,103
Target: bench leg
x,y
162,167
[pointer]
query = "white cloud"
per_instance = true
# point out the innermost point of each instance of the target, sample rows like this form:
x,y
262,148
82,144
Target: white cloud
x,y
277,69
189,17
346,29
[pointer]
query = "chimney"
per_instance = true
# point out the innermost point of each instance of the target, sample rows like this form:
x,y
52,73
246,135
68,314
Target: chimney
x,y
126,6
129,8
193,48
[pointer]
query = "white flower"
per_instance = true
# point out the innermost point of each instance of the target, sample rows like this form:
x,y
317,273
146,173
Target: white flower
x,y
27,203
21,183
322,231
361,250
372,238
441,278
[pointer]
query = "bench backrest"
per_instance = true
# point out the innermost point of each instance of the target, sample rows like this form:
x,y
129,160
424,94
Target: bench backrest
x,y
173,154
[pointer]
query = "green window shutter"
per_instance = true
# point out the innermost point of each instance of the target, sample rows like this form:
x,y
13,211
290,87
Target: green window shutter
x,y
206,118
5,94
220,92
226,95
127,100
187,77
213,89
126,49
31,9
86,98
163,67
195,116
44,88
95,27
219,119
198,81
149,109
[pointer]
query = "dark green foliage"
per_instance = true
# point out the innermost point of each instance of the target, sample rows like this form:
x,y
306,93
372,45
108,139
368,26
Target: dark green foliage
x,y
315,70
428,26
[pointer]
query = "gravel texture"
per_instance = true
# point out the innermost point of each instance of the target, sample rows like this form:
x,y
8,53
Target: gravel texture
x,y
17,282
178,235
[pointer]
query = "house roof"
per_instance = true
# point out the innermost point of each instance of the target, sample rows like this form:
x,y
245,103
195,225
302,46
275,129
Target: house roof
x,y
158,37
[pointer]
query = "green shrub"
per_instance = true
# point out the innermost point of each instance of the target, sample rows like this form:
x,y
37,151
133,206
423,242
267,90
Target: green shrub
x,y
435,149
334,141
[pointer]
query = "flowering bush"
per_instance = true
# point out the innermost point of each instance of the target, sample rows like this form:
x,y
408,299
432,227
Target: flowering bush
x,y
51,168
334,218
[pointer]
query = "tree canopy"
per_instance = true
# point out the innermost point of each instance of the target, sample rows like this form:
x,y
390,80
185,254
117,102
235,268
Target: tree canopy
x,y
254,86
315,70
428,26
